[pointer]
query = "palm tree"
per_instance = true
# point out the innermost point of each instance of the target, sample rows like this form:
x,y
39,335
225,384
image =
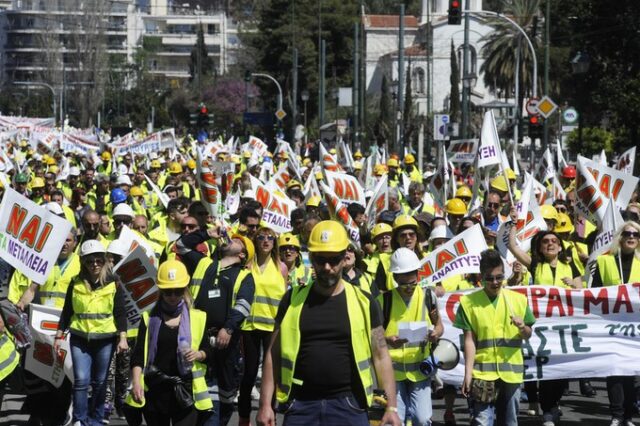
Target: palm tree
x,y
501,45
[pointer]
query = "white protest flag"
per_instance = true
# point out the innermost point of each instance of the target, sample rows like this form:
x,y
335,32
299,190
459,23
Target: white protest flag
x,y
277,207
209,189
489,149
596,184
558,192
40,359
137,279
279,180
602,243
545,169
560,161
292,157
460,255
540,192
439,181
329,161
30,236
134,239
6,165
463,150
256,147
339,212
310,188
378,203
345,187
223,175
366,175
602,158
164,198
344,154
627,161
514,159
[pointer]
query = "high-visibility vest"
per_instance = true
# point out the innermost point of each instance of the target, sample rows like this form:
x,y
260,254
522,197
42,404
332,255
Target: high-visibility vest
x,y
544,276
201,269
455,283
572,247
498,341
300,272
406,360
415,175
199,389
270,287
610,274
93,310
9,358
359,322
18,284
54,289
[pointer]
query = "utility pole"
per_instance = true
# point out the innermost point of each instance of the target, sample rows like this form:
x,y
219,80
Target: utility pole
x,y
323,57
466,88
400,108
356,86
547,25
294,95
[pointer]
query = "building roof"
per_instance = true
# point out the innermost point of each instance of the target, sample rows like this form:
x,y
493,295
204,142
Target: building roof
x,y
389,21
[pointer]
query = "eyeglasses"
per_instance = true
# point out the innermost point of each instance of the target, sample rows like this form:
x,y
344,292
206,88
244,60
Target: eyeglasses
x,y
122,221
288,248
549,241
630,234
493,205
265,237
98,260
189,226
331,260
409,234
409,284
494,278
384,237
90,225
252,226
172,292
561,209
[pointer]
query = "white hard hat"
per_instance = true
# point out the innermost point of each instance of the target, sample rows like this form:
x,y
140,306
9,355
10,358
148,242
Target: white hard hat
x,y
403,261
118,247
123,180
74,171
153,156
441,231
123,209
91,247
54,208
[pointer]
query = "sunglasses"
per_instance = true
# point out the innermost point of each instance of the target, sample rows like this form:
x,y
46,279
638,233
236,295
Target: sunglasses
x,y
410,284
409,234
494,278
252,226
631,234
122,221
98,260
265,238
172,292
189,226
288,248
493,205
331,260
561,209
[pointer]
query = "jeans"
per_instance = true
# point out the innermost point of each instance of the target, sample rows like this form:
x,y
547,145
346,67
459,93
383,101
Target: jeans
x,y
90,366
414,401
504,411
622,396
343,411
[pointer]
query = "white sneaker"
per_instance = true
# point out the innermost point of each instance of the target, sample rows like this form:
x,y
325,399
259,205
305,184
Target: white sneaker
x,y
547,419
534,409
628,423
615,422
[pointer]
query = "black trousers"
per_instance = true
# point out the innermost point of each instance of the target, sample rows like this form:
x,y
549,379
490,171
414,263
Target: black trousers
x,y
252,343
622,396
550,393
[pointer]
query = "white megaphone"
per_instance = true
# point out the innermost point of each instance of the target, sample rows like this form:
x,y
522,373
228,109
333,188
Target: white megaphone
x,y
444,355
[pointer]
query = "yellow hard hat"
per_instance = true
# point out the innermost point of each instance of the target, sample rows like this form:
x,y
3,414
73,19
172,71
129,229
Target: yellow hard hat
x,y
549,212
511,175
155,164
51,161
392,162
358,154
314,201
172,274
564,223
379,169
106,156
37,182
332,151
456,206
53,169
409,159
328,236
284,155
357,165
463,191
191,164
404,220
236,159
318,175
292,183
248,245
246,154
379,229
288,239
136,191
175,168
306,162
500,183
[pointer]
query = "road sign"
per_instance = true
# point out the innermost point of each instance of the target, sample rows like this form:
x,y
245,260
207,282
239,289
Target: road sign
x,y
546,106
532,106
568,129
570,115
440,127
280,114
258,118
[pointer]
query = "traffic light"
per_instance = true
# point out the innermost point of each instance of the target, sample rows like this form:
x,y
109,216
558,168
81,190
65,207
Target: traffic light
x,y
536,126
455,12
203,116
247,76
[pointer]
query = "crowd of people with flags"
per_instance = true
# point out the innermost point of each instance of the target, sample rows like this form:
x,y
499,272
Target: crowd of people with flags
x,y
234,233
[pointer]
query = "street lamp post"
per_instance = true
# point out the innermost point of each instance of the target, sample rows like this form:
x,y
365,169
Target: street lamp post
x,y
580,66
305,98
255,74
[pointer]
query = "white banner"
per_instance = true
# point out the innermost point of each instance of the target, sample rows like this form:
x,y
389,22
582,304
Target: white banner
x,y
137,279
132,239
339,212
40,358
460,255
489,150
30,236
378,203
462,151
346,187
277,209
77,144
577,334
256,147
156,142
626,161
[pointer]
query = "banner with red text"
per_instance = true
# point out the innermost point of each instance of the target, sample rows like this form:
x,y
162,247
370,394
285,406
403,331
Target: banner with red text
x,y
578,333
339,212
462,151
277,209
30,236
627,161
346,187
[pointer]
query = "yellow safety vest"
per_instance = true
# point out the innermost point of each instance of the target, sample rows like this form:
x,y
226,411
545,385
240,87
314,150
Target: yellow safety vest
x,y
572,247
610,274
198,276
199,389
54,290
406,360
455,283
300,272
359,322
18,284
93,310
543,275
498,341
270,287
9,358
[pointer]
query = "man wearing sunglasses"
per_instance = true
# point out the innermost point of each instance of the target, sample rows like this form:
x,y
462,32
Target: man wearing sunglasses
x,y
332,334
491,211
495,320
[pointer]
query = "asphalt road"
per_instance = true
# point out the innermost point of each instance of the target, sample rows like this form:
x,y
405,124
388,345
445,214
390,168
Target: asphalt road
x,y
577,410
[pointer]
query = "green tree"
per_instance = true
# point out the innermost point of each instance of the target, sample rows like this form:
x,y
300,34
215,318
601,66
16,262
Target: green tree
x,y
383,125
454,79
593,141
201,64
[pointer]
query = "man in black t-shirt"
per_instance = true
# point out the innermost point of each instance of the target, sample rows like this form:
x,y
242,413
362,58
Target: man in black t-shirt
x,y
331,334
